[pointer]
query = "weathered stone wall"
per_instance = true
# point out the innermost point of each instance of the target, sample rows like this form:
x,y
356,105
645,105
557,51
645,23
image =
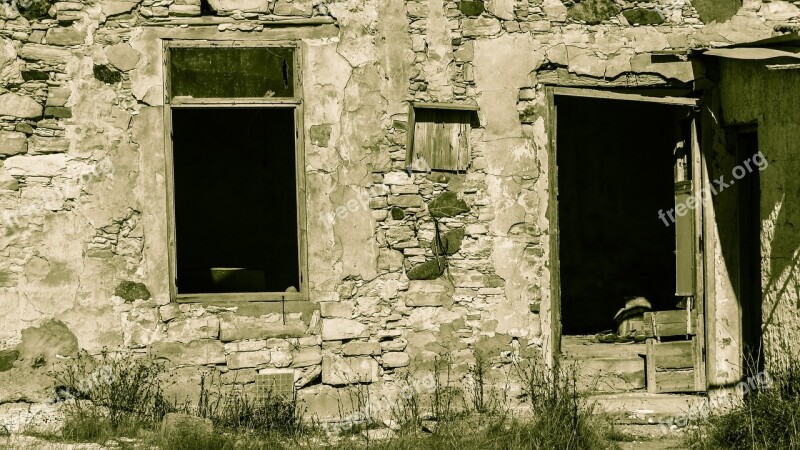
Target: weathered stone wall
x,y
84,200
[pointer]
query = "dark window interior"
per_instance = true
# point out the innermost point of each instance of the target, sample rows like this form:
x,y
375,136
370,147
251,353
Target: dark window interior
x,y
615,171
235,200
214,72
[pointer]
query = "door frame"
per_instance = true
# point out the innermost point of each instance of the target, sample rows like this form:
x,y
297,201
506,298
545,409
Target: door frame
x,y
700,177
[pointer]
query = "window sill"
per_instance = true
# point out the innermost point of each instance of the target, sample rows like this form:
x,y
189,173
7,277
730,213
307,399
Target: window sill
x,y
241,297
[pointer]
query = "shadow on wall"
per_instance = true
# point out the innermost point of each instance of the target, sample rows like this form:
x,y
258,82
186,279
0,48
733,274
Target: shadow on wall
x,y
756,219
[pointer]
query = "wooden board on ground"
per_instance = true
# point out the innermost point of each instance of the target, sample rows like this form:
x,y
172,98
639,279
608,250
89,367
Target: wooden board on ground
x,y
671,366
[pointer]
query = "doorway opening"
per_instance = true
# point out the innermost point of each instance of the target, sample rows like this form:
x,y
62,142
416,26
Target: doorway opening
x,y
749,262
615,172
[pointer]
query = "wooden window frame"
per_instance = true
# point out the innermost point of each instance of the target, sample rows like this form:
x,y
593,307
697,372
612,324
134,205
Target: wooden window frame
x,y
412,107
296,103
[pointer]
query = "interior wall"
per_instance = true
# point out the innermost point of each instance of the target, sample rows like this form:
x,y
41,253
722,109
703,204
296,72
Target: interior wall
x,y
615,174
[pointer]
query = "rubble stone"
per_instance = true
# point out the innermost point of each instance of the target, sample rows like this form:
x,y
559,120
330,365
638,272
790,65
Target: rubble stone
x,y
19,106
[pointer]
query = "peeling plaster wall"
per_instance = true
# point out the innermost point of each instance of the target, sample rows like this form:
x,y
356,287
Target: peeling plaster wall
x,y
84,199
749,93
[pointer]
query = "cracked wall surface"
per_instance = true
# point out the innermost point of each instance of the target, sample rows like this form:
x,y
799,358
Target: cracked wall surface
x,y
84,198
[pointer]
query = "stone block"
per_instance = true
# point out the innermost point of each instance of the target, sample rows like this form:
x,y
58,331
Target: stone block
x,y
199,353
555,10
63,36
451,242
429,270
7,182
123,56
46,54
721,10
357,348
193,328
390,259
339,371
465,52
242,376
242,360
337,329
184,10
429,293
114,8
39,145
13,143
234,327
280,358
593,11
503,9
447,204
399,189
227,6
391,178
19,106
337,309
326,403
471,8
37,165
310,356
480,26
418,9
58,96
245,346
643,16
395,359
405,201
24,128
302,8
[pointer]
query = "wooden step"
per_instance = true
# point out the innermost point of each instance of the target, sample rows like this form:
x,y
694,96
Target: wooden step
x,y
645,408
584,347
604,367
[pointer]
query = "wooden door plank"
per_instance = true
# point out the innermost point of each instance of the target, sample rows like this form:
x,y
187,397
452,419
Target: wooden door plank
x,y
650,370
673,355
674,381
670,323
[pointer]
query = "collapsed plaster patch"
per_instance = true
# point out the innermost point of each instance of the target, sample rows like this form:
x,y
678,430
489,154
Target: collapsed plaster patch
x,y
46,341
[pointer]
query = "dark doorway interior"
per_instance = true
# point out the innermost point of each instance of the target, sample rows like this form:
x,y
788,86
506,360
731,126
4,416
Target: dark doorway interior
x,y
749,227
615,172
235,200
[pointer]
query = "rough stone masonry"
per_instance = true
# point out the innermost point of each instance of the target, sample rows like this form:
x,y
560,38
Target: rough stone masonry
x,y
84,252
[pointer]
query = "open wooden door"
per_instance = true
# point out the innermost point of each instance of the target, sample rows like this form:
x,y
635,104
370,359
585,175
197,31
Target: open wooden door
x,y
676,338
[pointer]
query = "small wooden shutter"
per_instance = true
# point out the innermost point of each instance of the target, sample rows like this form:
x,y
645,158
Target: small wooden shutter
x,y
439,137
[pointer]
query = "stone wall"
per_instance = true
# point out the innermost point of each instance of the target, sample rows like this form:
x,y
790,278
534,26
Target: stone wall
x,y
84,199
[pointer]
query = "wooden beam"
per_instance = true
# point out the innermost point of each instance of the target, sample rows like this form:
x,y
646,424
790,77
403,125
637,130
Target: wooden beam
x,y
606,95
670,323
215,20
241,297
563,77
277,33
451,106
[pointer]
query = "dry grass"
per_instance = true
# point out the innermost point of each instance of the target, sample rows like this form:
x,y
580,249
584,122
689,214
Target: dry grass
x,y
766,419
449,417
